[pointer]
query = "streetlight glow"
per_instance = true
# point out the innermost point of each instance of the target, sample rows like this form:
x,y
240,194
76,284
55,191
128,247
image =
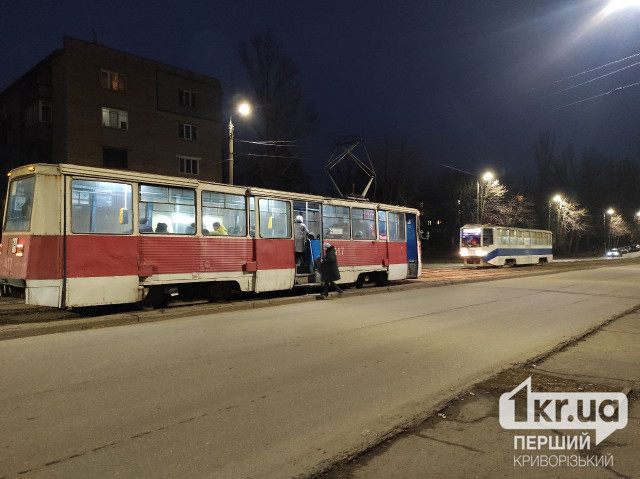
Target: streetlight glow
x,y
557,199
616,5
610,211
244,109
488,176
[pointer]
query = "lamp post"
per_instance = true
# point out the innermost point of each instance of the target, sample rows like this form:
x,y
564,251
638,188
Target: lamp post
x,y
606,237
559,201
487,177
244,109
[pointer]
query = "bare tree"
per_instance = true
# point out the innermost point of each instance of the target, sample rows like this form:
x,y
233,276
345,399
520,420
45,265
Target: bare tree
x,y
517,210
618,227
572,223
281,114
492,202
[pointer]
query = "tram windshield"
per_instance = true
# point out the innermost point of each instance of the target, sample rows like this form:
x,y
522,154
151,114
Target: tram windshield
x,y
20,204
470,237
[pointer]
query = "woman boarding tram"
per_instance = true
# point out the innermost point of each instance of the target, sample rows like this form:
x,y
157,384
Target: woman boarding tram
x,y
93,236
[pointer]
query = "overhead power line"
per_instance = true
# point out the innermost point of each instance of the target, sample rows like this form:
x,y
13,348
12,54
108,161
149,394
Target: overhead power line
x,y
585,72
588,81
595,96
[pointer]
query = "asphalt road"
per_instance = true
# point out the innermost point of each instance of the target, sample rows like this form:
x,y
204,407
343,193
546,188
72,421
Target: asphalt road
x,y
276,392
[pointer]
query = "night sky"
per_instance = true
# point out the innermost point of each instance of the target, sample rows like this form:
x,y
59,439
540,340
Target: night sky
x,y
462,80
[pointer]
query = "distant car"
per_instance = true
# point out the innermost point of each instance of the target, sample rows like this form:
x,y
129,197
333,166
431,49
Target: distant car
x,y
614,253
634,248
625,249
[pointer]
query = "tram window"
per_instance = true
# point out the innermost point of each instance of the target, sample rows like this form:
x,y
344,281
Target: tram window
x,y
487,237
335,222
513,238
167,210
527,238
229,211
18,216
275,218
504,236
382,225
520,237
548,238
396,227
310,213
363,223
100,207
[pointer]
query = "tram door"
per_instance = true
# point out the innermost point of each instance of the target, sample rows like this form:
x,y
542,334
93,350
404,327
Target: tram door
x,y
412,247
311,216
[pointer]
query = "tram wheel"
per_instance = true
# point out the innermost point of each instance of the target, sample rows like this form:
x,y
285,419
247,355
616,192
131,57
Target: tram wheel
x,y
156,298
363,278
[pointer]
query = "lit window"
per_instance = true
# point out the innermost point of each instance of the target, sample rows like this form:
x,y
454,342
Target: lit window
x,y
166,210
100,207
113,118
113,80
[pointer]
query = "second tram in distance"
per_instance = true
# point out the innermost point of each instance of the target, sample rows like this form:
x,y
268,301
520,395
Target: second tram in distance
x,y
490,245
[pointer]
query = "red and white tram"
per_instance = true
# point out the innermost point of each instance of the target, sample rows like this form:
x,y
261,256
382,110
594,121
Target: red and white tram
x,y
81,236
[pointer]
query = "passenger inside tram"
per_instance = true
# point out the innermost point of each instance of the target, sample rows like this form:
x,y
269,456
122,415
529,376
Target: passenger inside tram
x,y
219,229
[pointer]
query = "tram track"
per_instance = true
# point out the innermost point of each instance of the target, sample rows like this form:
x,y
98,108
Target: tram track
x,y
18,319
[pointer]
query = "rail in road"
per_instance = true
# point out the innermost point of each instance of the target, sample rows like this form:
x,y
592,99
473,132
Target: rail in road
x,y
282,391
13,311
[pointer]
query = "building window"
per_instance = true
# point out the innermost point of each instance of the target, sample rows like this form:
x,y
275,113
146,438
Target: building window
x,y
114,158
188,98
112,118
188,132
190,166
113,80
38,112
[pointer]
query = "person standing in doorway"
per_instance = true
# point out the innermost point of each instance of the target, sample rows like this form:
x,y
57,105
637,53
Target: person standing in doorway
x,y
301,235
329,272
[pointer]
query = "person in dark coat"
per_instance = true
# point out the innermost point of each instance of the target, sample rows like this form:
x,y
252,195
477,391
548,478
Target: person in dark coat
x,y
329,272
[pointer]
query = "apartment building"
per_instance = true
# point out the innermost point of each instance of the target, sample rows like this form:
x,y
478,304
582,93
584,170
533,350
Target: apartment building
x,y
90,105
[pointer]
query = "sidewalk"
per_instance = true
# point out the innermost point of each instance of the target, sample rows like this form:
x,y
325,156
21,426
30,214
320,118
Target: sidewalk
x,y
465,439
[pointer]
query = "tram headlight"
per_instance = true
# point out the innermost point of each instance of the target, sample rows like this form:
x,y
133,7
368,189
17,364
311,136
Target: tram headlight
x,y
464,252
19,249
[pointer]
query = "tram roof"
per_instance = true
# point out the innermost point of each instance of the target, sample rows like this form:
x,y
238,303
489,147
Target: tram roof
x,y
140,177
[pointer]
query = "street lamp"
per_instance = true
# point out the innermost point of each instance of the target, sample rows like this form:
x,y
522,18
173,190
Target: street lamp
x,y
559,201
487,177
244,109
605,238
